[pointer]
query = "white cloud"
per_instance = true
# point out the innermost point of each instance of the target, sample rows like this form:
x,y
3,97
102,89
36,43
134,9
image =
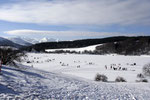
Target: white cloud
x,y
76,12
68,33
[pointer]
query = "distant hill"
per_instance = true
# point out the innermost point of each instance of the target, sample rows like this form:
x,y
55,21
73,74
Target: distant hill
x,y
73,44
30,41
119,45
6,42
20,41
130,46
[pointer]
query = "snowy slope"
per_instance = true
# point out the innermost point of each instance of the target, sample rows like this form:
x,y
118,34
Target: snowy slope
x,y
35,41
32,41
6,42
47,40
20,41
32,84
88,48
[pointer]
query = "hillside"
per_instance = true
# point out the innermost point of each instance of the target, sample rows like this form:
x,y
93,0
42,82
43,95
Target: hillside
x,y
73,44
119,45
131,46
19,41
6,42
30,84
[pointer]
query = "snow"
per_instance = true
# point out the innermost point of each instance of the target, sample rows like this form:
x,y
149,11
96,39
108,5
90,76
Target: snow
x,y
33,84
88,48
19,40
32,41
89,65
28,41
8,47
49,80
47,40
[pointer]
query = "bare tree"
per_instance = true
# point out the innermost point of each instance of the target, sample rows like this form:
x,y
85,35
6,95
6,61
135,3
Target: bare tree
x,y
8,55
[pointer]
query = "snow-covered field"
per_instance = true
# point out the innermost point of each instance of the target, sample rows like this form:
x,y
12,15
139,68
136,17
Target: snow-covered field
x,y
82,49
33,84
71,77
87,66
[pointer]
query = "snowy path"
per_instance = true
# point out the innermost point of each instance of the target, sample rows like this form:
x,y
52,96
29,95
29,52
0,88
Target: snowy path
x,y
32,84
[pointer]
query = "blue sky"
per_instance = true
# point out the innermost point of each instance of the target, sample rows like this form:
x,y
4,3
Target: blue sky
x,y
74,19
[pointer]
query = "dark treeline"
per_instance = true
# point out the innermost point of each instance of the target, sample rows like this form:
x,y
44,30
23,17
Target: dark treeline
x,y
119,45
130,46
73,44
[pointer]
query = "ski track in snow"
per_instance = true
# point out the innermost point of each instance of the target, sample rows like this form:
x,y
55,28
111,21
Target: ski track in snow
x,y
33,84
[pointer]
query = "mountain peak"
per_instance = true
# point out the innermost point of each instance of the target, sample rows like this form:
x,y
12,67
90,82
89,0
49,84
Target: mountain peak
x,y
45,39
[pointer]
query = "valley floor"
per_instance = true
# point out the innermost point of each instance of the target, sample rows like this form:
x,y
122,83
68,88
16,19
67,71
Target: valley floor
x,y
87,66
49,80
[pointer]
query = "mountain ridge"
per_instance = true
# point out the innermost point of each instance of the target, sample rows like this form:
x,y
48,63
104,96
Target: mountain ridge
x,y
6,42
19,41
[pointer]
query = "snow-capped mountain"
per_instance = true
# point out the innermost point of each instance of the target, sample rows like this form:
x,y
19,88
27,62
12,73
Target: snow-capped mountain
x,y
47,40
6,42
20,41
24,41
32,41
35,41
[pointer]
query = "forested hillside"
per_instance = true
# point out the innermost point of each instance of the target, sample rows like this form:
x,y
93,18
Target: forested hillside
x,y
120,45
73,44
